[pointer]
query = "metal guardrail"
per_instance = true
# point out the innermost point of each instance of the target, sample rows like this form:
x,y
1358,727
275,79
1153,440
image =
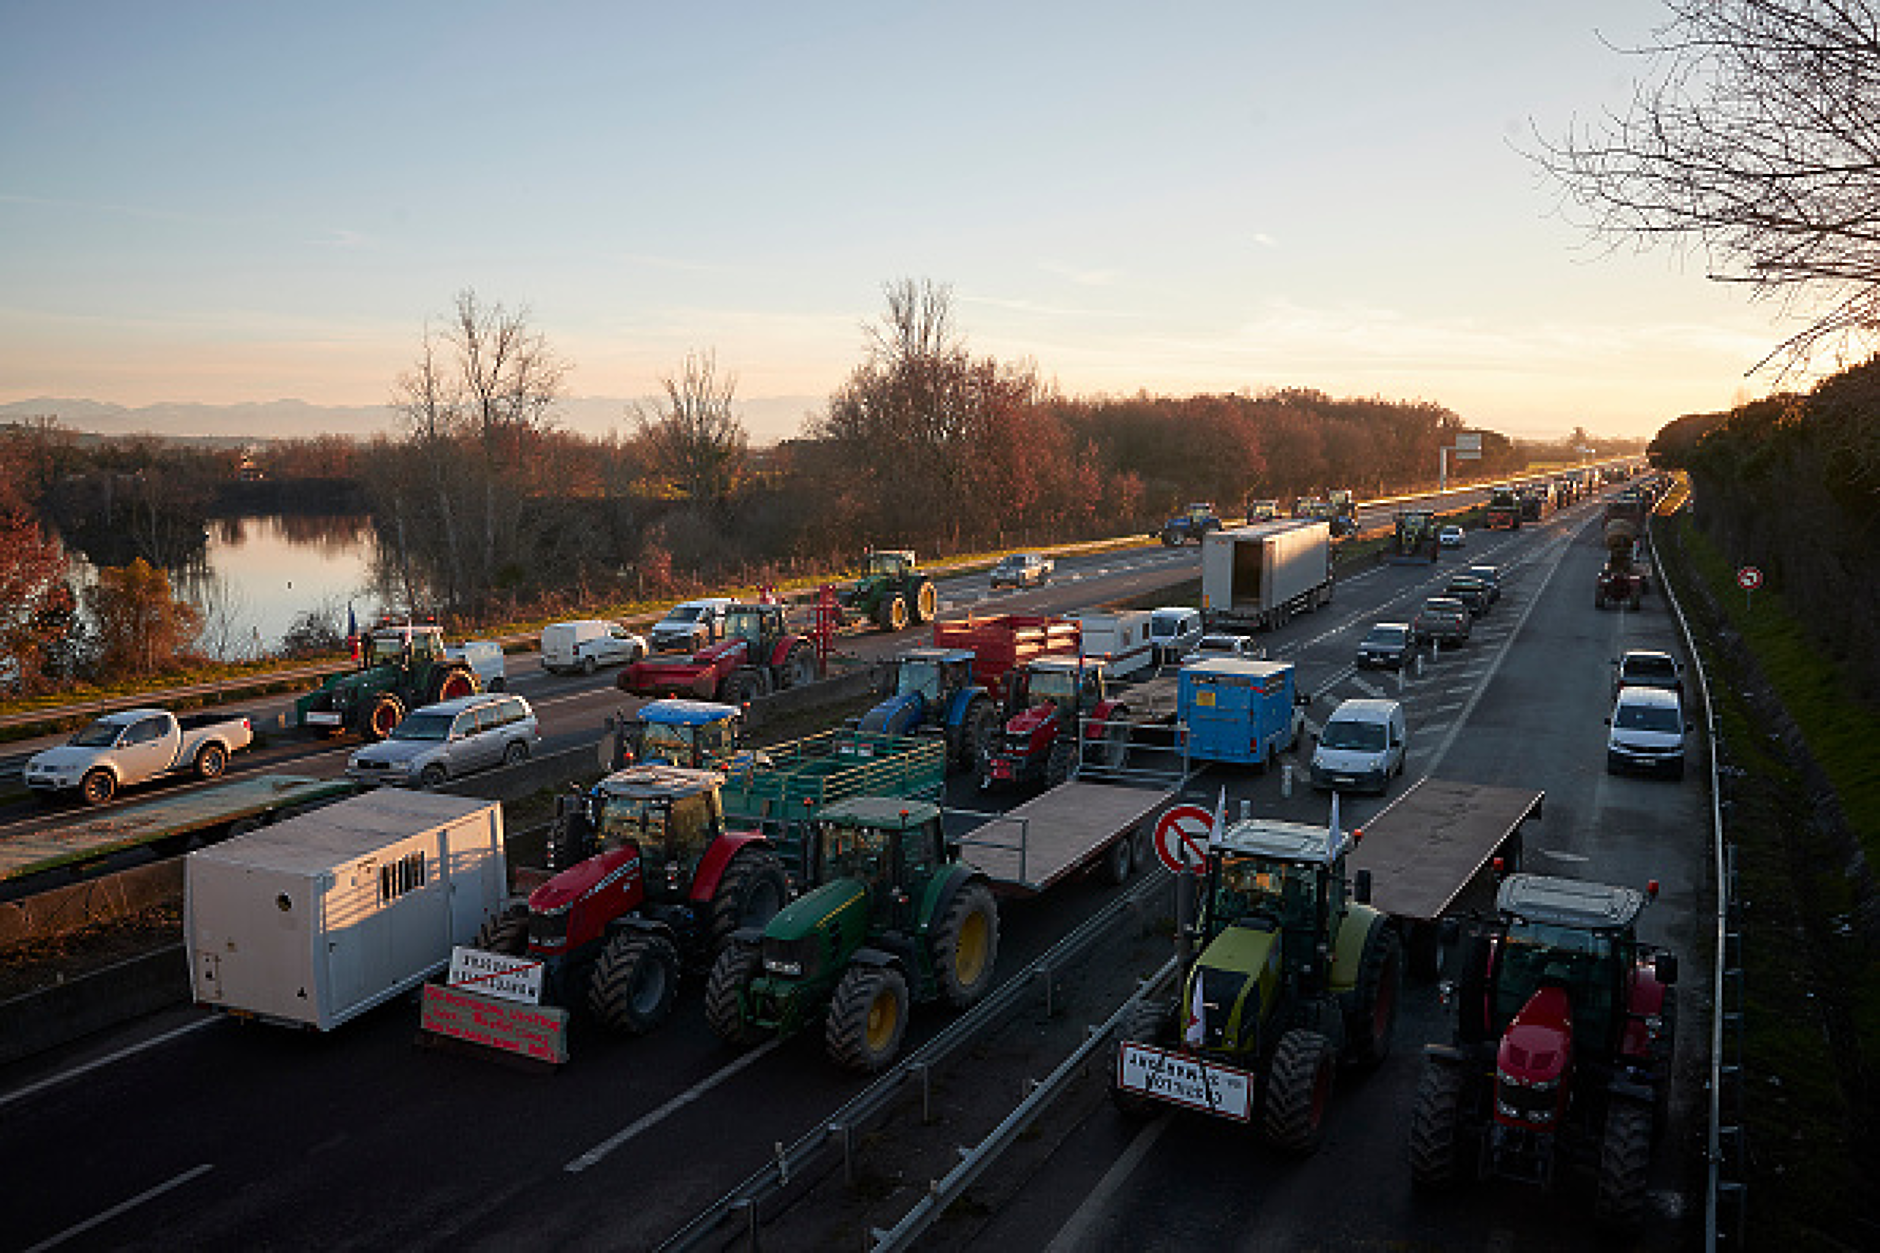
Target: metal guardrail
x,y
1726,982
839,1131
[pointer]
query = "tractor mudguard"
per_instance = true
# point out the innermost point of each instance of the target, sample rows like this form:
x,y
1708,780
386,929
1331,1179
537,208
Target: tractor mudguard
x,y
1102,712
1445,1055
939,897
866,956
1348,950
643,925
893,716
711,867
749,936
1644,1093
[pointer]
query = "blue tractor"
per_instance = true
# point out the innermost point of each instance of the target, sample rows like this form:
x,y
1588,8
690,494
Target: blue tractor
x,y
1191,524
697,734
934,693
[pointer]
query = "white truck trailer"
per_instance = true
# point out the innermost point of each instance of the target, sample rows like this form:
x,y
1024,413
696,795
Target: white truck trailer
x,y
313,920
1257,577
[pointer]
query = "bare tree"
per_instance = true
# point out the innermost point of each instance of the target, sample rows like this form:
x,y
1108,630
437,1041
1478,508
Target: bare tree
x,y
695,438
1754,139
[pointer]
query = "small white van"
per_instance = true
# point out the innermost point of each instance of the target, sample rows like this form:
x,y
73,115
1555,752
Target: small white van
x,y
1361,746
586,645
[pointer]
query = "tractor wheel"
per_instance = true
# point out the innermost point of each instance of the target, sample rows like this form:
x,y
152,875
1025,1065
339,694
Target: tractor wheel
x,y
507,933
211,761
1118,860
750,892
891,614
1298,1088
432,776
867,1018
97,787
634,982
381,717
926,602
1057,767
976,732
1373,1017
799,667
731,974
965,946
1624,1156
1170,539
739,688
1436,1141
453,683
1147,1023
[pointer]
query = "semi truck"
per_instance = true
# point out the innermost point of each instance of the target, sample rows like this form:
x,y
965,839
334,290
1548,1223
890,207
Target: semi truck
x,y
1258,577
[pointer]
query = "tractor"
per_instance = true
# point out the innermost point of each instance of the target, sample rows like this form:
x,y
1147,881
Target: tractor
x,y
1052,702
1623,580
1295,974
898,919
1562,1053
757,656
891,591
1504,510
1193,522
934,690
400,668
1415,538
649,882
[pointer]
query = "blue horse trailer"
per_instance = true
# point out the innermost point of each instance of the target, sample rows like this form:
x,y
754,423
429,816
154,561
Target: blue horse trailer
x,y
1239,711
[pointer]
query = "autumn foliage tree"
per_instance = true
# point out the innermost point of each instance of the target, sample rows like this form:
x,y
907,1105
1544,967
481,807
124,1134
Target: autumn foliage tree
x,y
36,602
142,627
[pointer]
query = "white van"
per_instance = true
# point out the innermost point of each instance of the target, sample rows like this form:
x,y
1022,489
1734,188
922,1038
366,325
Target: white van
x,y
1360,746
485,659
1121,639
586,645
1174,632
1648,731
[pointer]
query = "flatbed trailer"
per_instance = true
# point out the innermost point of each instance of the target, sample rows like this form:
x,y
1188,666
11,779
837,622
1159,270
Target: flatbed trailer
x,y
162,827
1429,854
1100,817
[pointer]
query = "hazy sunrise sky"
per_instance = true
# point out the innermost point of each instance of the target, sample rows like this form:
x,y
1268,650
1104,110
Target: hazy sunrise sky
x,y
250,201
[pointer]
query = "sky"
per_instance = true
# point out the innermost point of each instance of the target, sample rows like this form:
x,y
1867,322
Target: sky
x,y
246,202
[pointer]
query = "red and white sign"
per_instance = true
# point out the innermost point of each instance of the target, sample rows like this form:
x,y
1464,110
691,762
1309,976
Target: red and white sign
x,y
1190,1082
1181,838
1749,578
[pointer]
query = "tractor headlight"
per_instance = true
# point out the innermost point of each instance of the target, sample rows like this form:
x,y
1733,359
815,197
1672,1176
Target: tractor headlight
x,y
789,969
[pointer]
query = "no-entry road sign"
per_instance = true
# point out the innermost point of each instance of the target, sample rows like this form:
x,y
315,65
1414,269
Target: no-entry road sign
x,y
1181,838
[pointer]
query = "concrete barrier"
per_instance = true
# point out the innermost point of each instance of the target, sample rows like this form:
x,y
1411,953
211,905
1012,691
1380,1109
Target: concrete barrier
x,y
51,1017
61,911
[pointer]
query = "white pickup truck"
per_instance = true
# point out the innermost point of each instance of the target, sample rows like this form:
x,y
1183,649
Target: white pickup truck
x,y
135,746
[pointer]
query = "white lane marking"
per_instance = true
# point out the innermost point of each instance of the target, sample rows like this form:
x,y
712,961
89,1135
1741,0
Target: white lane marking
x,y
601,1150
1370,689
51,1081
1078,1232
120,1208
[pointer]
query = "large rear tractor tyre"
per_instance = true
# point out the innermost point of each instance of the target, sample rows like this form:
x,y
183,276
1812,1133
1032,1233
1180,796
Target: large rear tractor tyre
x,y
740,687
1436,1127
635,982
1057,767
97,787
731,975
1624,1157
867,1019
891,615
381,718
750,892
452,684
1373,1017
976,732
1150,1022
1298,1091
507,933
799,667
926,602
211,761
966,946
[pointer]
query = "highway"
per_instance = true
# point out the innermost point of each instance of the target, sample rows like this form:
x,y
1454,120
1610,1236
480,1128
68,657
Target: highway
x,y
197,1131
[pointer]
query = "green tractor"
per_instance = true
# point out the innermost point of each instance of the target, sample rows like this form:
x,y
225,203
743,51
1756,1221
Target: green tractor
x,y
897,919
400,668
892,591
1295,974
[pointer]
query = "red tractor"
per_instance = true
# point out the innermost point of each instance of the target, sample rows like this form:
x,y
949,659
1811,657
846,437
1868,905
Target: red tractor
x,y
649,881
1565,1031
757,656
1623,580
1051,702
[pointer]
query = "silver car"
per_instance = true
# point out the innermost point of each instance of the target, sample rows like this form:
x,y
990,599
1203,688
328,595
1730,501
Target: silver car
x,y
448,739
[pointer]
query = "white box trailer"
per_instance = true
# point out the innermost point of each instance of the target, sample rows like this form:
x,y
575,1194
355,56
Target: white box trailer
x,y
1120,638
1257,577
311,921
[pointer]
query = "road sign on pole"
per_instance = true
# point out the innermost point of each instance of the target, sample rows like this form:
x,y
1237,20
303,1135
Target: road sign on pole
x,y
1181,838
1749,578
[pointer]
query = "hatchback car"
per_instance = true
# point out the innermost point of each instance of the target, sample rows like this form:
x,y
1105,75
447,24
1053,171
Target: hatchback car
x,y
449,739
1022,570
1646,668
1442,618
1450,536
1471,591
1221,644
1647,731
1387,644
1491,576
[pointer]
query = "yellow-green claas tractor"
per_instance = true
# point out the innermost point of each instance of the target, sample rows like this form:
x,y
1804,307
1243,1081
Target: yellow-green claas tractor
x,y
1294,973
898,919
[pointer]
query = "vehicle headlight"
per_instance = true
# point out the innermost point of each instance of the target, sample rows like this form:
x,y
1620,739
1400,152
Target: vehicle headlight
x,y
788,969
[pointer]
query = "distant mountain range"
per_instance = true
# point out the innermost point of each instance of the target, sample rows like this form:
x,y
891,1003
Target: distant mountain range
x,y
767,419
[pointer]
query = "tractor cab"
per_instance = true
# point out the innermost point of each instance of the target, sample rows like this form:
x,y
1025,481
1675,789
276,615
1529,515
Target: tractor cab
x,y
760,626
402,646
892,847
671,814
695,733
933,674
888,563
1283,879
1063,682
1565,942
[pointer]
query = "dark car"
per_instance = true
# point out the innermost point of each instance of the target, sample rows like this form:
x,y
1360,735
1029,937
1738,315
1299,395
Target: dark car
x,y
1647,668
1442,618
1388,644
1490,575
1472,592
